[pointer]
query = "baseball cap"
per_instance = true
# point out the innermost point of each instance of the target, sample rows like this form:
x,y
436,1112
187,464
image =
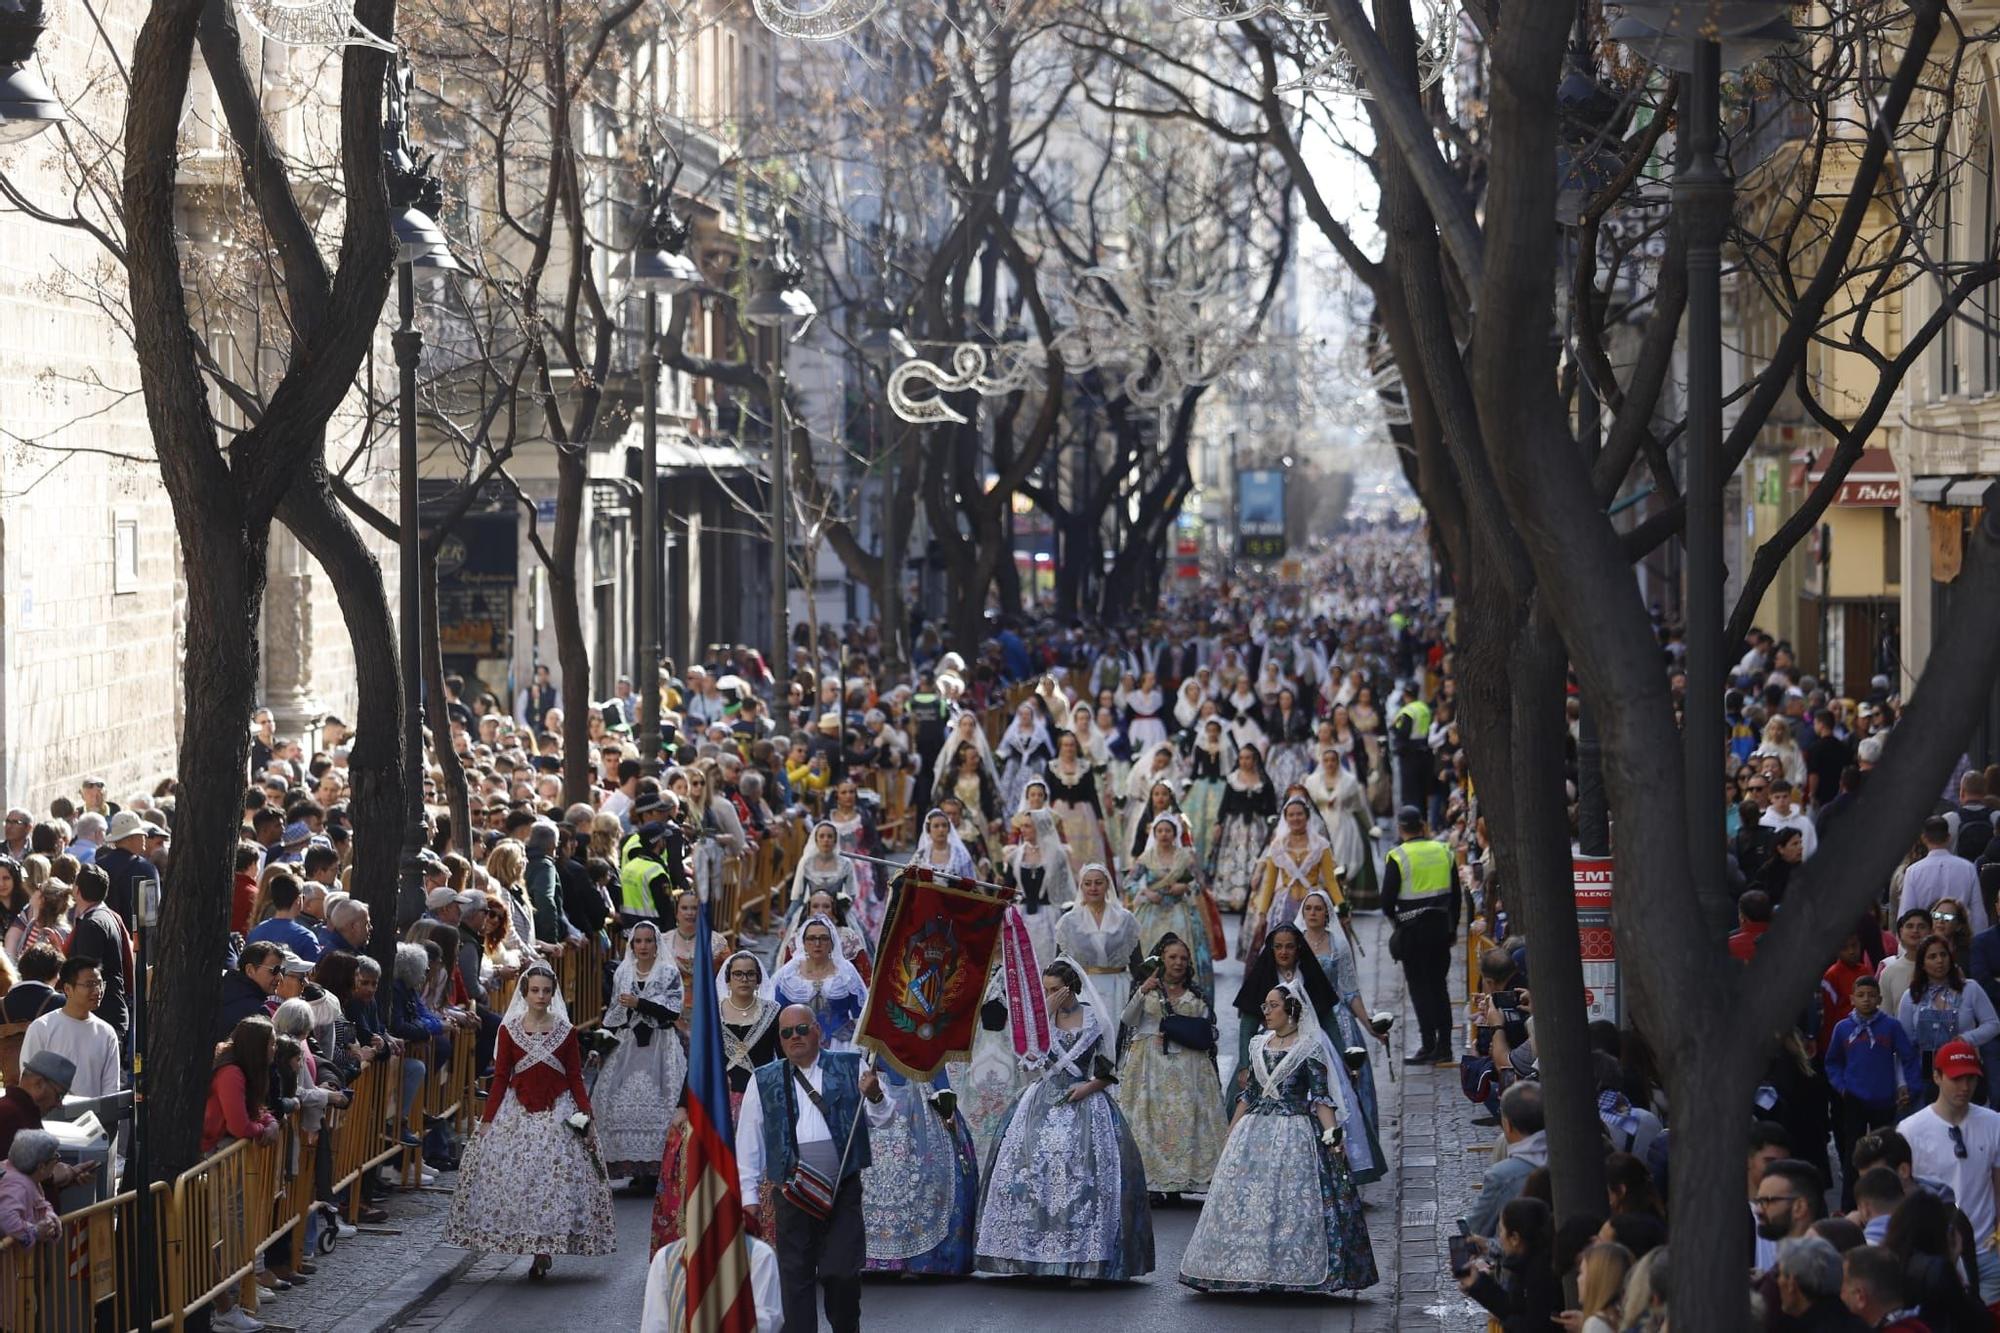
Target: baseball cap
x,y
1956,1059
292,965
439,899
1410,817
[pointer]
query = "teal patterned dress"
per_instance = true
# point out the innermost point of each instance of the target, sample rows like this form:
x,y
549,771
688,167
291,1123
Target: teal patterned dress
x,y
918,1197
1282,1213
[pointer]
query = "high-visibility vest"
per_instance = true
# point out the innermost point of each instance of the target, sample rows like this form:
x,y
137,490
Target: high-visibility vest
x,y
1419,714
1424,865
635,878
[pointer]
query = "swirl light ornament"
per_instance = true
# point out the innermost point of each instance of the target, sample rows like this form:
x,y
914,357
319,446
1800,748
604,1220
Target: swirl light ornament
x,y
1240,11
329,23
1437,48
825,22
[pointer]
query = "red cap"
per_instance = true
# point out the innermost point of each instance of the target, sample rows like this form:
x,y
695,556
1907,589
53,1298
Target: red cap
x,y
1956,1059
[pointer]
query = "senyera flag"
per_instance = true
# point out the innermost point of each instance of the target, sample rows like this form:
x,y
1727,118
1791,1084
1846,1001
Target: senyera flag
x,y
930,973
713,1253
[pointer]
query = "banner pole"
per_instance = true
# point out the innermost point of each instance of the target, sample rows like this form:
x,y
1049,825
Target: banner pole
x,y
943,877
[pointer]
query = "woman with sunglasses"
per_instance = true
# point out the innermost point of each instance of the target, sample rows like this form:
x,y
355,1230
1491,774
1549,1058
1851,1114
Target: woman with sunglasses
x,y
1941,1008
749,1039
824,982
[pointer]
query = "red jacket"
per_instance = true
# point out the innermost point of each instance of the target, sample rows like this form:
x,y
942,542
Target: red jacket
x,y
1836,996
536,1086
242,897
228,1111
1743,944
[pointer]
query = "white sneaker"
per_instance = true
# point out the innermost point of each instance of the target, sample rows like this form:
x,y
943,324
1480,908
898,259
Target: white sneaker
x,y
426,1177
343,1228
236,1320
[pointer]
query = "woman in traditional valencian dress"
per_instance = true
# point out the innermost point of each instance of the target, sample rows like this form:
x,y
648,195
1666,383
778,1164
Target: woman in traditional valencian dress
x,y
1207,761
822,981
1013,1032
977,790
1143,725
681,942
1037,868
1147,806
1290,730
839,910
1073,794
529,1183
1101,936
1287,961
1352,1025
919,1196
856,831
1167,1085
821,868
942,850
749,1039
1282,1212
1025,749
1155,767
1065,1191
1249,806
1165,898
1343,808
640,1083
1297,861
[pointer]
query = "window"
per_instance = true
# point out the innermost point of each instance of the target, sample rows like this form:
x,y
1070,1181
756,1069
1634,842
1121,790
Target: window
x,y
124,554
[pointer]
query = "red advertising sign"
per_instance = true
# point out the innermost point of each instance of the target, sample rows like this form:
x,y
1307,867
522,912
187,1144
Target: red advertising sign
x,y
1591,876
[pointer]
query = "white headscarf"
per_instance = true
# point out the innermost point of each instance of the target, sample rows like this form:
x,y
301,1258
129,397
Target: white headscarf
x,y
1058,891
1096,1014
1144,773
1280,855
738,1052
1037,734
1187,703
947,760
662,985
845,981
810,856
537,1047
1311,1043
961,855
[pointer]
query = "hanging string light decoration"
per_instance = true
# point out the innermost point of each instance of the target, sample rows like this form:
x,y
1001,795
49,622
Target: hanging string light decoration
x,y
310,23
825,22
1437,48
1242,11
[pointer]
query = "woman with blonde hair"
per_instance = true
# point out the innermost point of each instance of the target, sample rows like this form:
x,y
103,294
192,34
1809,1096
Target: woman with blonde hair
x,y
458,872
606,833
507,869
46,921
1601,1272
1780,744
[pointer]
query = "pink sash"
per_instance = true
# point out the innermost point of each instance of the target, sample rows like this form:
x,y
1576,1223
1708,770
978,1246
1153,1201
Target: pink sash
x,y
1026,1004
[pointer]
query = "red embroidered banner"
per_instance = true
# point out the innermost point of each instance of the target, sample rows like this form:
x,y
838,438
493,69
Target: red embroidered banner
x,y
930,975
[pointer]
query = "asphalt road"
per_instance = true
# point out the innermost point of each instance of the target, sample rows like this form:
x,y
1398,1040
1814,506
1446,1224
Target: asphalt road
x,y
608,1294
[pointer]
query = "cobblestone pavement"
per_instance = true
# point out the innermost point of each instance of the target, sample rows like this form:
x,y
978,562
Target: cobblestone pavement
x,y
403,1277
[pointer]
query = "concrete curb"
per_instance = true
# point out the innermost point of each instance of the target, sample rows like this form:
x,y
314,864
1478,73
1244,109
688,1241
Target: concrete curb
x,y
408,1294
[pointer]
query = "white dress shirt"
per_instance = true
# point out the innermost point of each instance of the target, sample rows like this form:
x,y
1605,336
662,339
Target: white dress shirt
x,y
810,1126
1942,875
666,1289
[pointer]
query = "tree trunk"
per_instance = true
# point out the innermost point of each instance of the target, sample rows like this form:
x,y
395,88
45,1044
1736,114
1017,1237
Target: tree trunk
x,y
1709,1093
225,592
572,652
378,801
458,798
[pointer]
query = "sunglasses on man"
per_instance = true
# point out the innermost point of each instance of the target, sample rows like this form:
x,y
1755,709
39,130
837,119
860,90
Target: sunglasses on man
x,y
796,1030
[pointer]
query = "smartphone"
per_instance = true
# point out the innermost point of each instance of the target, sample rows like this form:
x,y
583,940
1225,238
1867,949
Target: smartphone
x,y
1462,1255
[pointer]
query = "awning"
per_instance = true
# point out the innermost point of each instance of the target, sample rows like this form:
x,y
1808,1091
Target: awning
x,y
1871,483
681,452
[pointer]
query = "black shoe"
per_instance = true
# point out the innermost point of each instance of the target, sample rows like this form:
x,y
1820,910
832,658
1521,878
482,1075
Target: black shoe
x,y
1422,1057
1486,1121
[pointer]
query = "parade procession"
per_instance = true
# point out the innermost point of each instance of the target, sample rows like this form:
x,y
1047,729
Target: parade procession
x,y
755,666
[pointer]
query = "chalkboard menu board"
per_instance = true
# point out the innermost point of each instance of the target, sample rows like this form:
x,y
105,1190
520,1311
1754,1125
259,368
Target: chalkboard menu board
x,y
477,570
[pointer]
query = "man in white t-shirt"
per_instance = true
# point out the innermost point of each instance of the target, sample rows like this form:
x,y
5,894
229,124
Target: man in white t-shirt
x,y
1784,814
1958,1142
76,1033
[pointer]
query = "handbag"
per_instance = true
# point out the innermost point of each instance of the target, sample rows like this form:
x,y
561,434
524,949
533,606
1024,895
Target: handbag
x,y
1197,1034
806,1189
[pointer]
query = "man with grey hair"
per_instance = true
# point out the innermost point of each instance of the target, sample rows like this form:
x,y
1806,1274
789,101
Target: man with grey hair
x,y
348,918
90,829
544,884
1521,1124
26,1214
1808,1287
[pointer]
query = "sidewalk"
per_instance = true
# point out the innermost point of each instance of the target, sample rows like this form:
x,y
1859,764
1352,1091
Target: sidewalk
x,y
376,1278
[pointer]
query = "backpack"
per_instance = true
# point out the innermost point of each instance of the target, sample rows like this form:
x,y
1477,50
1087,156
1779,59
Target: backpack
x,y
1975,831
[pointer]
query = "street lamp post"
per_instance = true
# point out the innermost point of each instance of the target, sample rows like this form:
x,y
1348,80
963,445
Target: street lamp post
x,y
415,198
658,266
883,344
777,306
27,107
1700,40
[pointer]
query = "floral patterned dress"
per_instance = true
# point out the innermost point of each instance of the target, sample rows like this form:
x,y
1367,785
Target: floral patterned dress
x,y
744,1047
1282,1212
529,1184
1065,1192
919,1195
1171,1094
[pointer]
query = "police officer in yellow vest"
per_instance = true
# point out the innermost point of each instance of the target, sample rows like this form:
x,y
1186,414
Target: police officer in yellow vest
x,y
1410,736
647,882
1420,897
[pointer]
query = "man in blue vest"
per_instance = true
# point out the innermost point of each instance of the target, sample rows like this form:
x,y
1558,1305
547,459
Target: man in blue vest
x,y
1420,898
805,1110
